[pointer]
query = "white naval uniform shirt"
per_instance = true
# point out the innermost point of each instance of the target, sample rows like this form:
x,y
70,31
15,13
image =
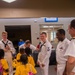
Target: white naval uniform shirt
x,y
45,53
71,51
2,46
32,47
60,51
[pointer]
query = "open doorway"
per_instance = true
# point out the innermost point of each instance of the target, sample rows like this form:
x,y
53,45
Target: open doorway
x,y
17,32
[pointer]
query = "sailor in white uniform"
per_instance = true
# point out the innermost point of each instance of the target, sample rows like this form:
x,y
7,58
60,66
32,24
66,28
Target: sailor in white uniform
x,y
44,54
70,53
8,48
60,51
28,44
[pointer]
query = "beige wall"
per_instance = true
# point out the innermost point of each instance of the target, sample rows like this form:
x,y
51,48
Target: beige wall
x,y
38,8
28,21
34,22
22,13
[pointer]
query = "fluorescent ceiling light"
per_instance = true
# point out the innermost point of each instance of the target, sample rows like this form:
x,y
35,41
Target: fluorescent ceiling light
x,y
48,26
9,1
51,26
45,26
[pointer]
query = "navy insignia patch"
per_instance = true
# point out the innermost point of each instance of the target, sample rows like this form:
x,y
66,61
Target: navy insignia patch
x,y
48,49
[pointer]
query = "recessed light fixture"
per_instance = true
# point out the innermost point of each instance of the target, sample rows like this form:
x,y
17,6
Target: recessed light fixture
x,y
9,1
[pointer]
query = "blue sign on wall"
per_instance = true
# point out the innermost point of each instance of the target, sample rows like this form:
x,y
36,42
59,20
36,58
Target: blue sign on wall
x,y
51,19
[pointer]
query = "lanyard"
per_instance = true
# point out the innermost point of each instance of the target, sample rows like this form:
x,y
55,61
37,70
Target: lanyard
x,y
5,43
42,45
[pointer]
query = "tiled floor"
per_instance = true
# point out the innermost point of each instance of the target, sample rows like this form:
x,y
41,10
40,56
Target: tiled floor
x,y
51,70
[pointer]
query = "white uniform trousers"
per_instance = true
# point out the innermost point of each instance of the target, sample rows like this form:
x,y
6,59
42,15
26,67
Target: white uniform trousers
x,y
44,70
8,57
61,68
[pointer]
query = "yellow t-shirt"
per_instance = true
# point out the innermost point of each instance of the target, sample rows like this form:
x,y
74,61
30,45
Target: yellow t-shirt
x,y
25,69
16,63
31,60
5,66
18,56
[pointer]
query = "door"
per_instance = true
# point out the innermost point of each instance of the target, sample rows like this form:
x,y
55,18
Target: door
x,y
16,32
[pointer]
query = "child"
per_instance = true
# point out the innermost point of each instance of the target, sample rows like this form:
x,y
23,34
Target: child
x,y
25,68
16,62
30,58
3,64
22,51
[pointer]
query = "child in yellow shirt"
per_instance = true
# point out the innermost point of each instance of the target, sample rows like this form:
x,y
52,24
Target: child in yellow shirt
x,y
22,51
25,68
16,62
4,69
30,58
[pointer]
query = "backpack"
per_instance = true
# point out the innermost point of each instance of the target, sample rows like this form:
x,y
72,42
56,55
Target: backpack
x,y
1,68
